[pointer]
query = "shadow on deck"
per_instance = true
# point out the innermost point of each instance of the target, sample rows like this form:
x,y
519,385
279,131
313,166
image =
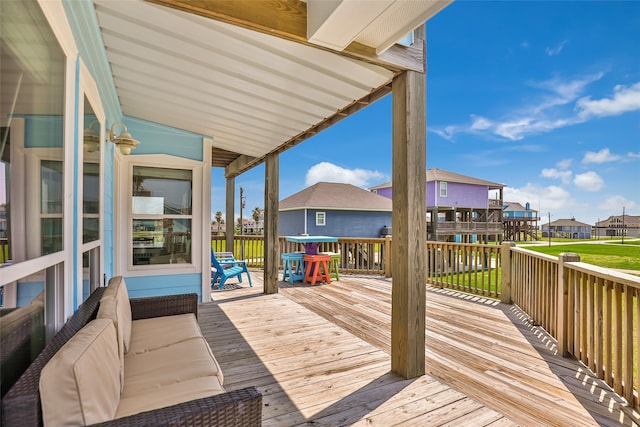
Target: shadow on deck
x,y
320,356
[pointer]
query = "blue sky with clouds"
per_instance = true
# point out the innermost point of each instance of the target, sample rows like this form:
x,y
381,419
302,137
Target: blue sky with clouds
x,y
543,97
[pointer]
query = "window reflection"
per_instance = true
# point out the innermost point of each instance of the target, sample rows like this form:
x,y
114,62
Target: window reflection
x,y
161,209
90,181
31,137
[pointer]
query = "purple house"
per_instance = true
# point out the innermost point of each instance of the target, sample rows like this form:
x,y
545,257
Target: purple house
x,y
459,207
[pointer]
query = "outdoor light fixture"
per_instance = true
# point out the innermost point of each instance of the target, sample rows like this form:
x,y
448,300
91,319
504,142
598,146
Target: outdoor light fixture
x,y
124,141
91,138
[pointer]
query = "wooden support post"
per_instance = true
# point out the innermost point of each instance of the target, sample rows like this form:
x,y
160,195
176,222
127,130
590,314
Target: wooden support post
x,y
230,220
564,330
409,225
505,263
271,201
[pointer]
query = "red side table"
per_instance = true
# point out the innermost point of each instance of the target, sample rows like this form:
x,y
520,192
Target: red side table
x,y
316,268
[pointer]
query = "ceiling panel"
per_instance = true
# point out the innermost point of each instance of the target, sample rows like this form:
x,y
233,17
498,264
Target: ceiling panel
x,y
248,91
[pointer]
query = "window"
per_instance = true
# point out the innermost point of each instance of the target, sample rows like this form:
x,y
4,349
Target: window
x,y
161,215
443,189
321,219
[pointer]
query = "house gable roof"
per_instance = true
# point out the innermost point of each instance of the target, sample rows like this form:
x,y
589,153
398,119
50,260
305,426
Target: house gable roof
x,y
442,175
568,223
332,195
516,207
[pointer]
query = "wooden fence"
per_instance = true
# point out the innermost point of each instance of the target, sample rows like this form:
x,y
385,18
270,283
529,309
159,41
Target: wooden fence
x,y
358,255
592,312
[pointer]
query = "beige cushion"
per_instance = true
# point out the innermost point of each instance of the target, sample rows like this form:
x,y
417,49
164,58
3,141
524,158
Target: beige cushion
x,y
177,363
158,332
80,385
118,289
168,395
109,310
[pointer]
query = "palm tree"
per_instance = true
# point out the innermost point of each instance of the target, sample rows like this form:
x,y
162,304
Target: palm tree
x,y
219,220
256,214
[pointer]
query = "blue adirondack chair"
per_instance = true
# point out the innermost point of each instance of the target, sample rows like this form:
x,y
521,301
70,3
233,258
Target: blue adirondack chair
x,y
227,268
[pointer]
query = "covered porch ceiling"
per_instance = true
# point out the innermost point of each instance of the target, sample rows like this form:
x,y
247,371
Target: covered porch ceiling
x,y
257,77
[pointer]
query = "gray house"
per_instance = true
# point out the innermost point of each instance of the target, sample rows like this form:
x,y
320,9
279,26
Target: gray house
x,y
567,228
333,209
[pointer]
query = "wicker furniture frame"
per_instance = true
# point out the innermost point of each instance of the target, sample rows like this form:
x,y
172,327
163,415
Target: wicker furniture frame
x,y
21,405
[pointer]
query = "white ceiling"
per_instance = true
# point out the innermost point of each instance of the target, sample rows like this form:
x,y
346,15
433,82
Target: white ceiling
x,y
250,91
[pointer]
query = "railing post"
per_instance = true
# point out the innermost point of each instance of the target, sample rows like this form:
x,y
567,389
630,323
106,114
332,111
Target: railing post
x,y
387,256
563,301
505,280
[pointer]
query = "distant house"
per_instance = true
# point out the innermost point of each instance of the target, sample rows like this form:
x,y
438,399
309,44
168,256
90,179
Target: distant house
x,y
567,228
333,209
614,225
459,207
520,222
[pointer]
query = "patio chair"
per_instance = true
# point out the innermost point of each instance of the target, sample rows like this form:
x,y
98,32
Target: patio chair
x,y
227,268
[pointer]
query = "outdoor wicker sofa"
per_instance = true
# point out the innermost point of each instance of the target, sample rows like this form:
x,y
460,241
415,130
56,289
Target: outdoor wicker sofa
x,y
22,405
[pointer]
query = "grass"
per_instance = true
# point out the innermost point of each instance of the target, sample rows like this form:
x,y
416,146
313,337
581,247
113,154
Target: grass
x,y
625,257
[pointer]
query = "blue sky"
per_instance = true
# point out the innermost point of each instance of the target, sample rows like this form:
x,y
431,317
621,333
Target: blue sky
x,y
543,97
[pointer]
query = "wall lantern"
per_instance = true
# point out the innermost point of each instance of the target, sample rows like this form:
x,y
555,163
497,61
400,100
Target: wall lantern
x,y
91,138
124,141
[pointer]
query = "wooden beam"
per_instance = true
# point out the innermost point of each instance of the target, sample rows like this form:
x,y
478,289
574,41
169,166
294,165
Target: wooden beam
x,y
230,220
287,19
409,225
241,164
271,202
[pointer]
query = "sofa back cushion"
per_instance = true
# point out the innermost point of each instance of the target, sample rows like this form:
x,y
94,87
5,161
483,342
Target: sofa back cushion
x,y
80,385
109,310
118,289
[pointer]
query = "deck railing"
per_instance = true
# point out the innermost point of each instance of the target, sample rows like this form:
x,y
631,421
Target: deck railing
x,y
358,255
601,327
471,268
534,286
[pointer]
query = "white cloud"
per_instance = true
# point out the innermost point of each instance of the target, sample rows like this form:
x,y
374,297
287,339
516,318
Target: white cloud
x,y
480,123
564,175
553,51
589,181
551,198
602,156
633,155
328,172
615,203
564,164
549,111
624,99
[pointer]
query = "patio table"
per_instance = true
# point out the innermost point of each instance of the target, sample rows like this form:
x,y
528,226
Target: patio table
x,y
311,242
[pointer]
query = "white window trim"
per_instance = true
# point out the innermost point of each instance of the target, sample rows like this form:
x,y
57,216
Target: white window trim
x,y
125,232
89,88
446,189
324,219
205,259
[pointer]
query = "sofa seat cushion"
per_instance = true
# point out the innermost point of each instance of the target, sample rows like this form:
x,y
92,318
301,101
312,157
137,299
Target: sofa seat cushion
x,y
152,334
181,362
80,385
168,395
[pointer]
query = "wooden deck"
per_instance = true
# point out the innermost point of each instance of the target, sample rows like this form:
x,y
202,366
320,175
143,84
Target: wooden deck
x,y
320,356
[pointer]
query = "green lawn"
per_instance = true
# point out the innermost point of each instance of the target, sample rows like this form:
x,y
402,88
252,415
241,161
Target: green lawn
x,y
626,257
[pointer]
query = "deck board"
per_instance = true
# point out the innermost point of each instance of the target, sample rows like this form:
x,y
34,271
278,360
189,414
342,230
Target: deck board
x,y
321,355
